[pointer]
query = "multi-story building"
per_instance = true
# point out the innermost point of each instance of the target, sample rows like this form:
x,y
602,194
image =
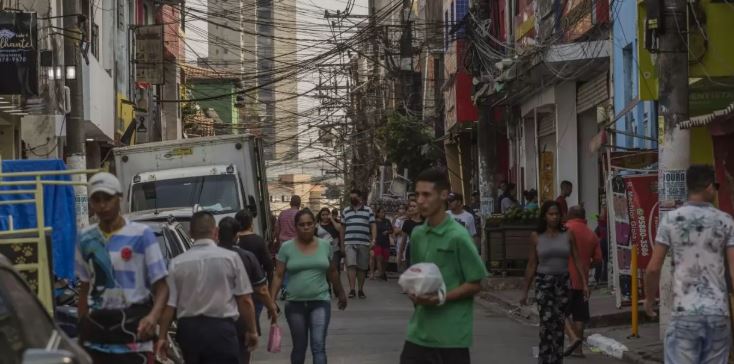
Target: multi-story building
x,y
277,52
118,106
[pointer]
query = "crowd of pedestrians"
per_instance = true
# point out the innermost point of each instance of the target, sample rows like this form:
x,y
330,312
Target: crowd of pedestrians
x,y
215,292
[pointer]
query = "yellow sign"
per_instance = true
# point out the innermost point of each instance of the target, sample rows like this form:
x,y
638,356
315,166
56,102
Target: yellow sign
x,y
710,29
178,152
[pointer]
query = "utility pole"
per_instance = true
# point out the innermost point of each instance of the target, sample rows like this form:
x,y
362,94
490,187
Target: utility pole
x,y
405,94
674,150
75,136
486,142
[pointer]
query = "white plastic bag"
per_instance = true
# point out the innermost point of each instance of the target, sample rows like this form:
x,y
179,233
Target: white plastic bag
x,y
423,279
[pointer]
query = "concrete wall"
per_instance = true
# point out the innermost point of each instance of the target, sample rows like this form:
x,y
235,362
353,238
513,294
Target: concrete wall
x,y
567,146
588,166
529,153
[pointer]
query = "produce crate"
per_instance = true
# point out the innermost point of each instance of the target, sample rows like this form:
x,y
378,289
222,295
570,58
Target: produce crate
x,y
508,248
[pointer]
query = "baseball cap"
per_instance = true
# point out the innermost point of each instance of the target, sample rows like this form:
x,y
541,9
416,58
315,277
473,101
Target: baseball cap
x,y
104,182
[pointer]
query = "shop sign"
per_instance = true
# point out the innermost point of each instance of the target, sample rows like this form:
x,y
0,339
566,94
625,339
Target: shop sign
x,y
149,60
18,53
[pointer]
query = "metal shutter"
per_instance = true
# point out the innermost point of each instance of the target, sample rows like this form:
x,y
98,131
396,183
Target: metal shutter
x,y
592,93
546,125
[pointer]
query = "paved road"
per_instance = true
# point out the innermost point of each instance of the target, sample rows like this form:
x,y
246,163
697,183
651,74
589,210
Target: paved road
x,y
372,331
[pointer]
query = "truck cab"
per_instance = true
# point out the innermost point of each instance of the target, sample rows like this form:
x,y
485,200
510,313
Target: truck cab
x,y
221,174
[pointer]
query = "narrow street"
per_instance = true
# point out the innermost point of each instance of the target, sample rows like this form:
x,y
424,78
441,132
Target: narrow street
x,y
372,331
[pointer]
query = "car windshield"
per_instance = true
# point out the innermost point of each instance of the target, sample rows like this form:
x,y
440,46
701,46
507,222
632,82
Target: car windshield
x,y
216,193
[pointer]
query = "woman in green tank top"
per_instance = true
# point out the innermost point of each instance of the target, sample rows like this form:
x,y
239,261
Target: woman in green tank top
x,y
308,262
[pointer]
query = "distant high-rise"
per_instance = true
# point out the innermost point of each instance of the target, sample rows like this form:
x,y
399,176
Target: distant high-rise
x,y
276,28
232,38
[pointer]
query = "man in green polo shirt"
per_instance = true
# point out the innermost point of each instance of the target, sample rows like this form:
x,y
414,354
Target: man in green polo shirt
x,y
441,332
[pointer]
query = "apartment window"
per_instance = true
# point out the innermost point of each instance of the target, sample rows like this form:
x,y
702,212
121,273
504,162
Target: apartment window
x,y
95,40
628,72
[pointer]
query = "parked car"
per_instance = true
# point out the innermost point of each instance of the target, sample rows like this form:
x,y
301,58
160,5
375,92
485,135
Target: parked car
x,y
172,236
28,334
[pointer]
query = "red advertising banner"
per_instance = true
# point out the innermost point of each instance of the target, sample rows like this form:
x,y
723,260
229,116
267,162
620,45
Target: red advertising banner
x,y
642,199
633,206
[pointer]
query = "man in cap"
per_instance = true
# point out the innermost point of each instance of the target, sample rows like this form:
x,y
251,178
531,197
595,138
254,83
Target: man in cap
x,y
123,287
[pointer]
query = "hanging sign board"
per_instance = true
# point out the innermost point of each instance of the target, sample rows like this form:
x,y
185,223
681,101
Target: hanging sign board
x,y
18,53
149,54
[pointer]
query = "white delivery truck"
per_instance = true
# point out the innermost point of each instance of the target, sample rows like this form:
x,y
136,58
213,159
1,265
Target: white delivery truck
x,y
220,174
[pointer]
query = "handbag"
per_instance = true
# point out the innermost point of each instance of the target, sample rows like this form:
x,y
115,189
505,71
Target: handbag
x,y
274,339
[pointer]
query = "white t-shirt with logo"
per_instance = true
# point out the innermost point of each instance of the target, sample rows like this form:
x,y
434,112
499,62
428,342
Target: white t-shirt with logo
x,y
466,219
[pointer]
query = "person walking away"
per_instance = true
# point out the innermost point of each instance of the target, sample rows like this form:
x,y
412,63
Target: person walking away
x,y
397,234
589,252
464,218
382,248
248,240
308,306
551,247
700,239
566,190
359,235
210,291
122,273
285,230
253,243
228,229
440,330
414,220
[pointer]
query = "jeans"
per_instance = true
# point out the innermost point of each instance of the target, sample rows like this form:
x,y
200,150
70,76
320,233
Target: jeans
x,y
308,319
698,340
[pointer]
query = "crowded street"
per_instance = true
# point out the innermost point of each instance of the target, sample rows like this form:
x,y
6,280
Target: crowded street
x,y
372,331
366,181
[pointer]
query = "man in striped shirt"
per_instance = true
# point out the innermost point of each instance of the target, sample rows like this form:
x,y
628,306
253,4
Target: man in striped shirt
x,y
122,273
359,235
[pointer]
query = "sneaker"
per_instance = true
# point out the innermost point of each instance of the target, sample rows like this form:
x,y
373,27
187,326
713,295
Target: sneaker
x,y
352,294
361,295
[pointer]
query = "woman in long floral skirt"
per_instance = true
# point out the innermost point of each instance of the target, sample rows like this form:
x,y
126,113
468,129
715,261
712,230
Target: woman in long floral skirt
x,y
551,249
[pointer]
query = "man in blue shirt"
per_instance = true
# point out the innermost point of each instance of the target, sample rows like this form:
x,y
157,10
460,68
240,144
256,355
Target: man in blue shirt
x,y
123,288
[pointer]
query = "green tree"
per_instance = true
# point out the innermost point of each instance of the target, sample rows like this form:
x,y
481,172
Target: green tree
x,y
408,142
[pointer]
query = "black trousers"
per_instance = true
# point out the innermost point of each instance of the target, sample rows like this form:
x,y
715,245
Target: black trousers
x,y
416,354
207,340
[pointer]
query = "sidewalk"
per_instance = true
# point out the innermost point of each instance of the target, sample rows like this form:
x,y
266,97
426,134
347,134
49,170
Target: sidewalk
x,y
646,349
604,312
607,319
